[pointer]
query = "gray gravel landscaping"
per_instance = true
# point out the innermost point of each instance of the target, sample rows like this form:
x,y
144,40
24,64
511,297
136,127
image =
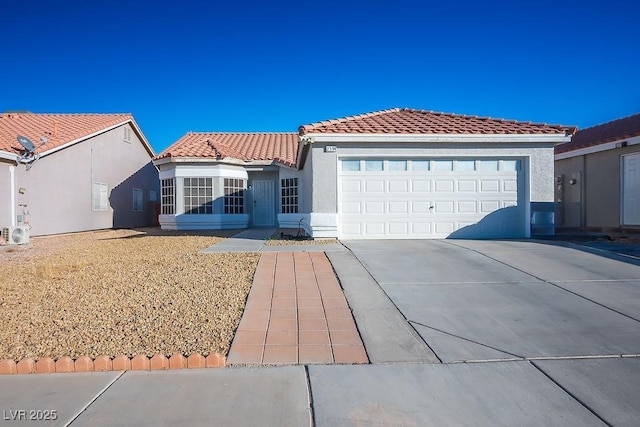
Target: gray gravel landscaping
x,y
120,292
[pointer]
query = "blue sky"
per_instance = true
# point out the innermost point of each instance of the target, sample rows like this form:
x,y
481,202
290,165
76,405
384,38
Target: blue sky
x,y
183,66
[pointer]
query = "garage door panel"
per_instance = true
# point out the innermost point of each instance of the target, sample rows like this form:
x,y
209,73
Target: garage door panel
x,y
467,207
398,186
484,199
489,186
374,228
374,207
351,186
467,186
442,186
398,207
397,229
510,185
372,186
421,186
420,207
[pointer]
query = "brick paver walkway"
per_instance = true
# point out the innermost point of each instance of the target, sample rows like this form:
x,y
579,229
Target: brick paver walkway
x,y
296,313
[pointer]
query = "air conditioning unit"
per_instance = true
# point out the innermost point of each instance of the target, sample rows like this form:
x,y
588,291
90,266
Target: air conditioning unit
x,y
16,235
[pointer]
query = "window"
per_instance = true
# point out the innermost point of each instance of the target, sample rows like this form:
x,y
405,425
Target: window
x,y
137,200
373,165
443,165
100,197
233,196
420,165
397,165
127,134
168,200
465,165
198,196
289,189
489,165
351,165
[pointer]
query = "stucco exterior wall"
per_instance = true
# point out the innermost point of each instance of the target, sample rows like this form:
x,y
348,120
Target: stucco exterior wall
x,y
569,192
58,187
5,192
597,197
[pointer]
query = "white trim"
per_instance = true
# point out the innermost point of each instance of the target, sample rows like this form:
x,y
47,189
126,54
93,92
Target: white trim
x,y
226,160
8,156
350,137
597,148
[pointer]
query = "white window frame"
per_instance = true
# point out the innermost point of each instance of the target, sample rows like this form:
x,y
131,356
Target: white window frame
x,y
100,197
234,195
204,202
168,196
289,195
127,134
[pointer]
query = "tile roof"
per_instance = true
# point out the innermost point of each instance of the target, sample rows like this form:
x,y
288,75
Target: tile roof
x,y
615,130
58,129
410,121
247,146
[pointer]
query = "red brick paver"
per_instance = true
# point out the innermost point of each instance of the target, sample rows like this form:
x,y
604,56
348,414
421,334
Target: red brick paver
x,y
296,313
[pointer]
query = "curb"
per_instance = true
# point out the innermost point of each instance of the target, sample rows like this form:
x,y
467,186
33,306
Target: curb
x,y
139,362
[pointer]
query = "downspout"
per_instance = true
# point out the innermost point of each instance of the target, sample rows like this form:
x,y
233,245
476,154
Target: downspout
x,y
12,183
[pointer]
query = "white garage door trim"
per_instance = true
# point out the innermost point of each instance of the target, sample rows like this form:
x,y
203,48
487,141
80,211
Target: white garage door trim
x,y
432,197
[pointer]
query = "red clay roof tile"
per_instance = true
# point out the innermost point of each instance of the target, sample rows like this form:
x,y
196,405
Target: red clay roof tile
x,y
615,130
58,129
247,146
410,121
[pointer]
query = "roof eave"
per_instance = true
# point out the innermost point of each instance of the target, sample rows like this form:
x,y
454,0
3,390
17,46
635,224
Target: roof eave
x,y
351,137
9,156
611,145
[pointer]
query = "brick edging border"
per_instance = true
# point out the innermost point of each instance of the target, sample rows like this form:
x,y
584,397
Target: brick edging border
x,y
139,362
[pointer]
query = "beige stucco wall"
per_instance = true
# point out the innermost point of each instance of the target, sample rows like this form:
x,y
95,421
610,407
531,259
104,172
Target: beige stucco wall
x,y
5,192
569,196
58,187
599,196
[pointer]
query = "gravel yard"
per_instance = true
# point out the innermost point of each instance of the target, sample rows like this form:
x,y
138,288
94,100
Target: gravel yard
x,y
120,292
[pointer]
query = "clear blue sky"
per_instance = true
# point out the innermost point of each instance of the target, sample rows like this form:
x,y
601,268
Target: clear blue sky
x,y
183,66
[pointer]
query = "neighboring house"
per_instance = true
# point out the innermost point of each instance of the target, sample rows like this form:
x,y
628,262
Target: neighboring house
x,y
598,177
392,174
94,171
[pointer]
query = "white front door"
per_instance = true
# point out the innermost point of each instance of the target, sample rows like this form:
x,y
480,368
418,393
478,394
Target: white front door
x,y
631,189
431,198
264,212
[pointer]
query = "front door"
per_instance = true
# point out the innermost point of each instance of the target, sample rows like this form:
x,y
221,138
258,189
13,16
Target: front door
x,y
263,204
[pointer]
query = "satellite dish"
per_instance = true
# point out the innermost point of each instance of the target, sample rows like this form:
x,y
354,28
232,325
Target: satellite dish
x,y
26,143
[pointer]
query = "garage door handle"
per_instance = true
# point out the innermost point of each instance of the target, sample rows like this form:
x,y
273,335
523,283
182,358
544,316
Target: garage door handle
x,y
431,207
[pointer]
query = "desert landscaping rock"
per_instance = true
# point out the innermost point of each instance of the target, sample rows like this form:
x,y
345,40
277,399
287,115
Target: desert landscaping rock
x,y
120,292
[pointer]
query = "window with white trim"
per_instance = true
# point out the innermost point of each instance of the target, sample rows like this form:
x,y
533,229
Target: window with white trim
x,y
137,200
198,196
100,197
168,196
234,195
289,192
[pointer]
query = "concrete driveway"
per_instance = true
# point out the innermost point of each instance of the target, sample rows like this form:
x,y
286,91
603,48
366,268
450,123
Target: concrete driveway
x,y
486,300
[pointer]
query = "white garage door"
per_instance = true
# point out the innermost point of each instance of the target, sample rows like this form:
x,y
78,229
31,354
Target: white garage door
x,y
431,198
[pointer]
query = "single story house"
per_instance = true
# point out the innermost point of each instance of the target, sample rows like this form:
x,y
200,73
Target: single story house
x,y
392,174
598,177
63,173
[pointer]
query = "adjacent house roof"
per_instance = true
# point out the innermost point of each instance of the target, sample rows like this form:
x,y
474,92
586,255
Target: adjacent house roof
x,y
615,130
248,146
58,129
409,121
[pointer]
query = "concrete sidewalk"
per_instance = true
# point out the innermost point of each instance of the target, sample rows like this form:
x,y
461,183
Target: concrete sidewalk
x,y
253,240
